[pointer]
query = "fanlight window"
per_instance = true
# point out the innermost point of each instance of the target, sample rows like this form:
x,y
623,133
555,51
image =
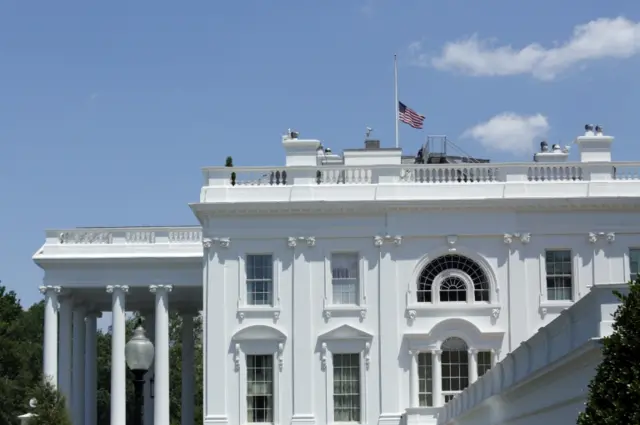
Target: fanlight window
x,y
452,288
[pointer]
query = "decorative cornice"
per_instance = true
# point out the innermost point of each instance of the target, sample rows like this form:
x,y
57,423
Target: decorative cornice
x,y
114,288
524,238
207,243
593,237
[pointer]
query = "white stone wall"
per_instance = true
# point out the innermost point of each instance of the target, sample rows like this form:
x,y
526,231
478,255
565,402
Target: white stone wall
x,y
384,327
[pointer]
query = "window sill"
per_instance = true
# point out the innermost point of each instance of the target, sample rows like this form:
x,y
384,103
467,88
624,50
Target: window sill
x,y
446,309
258,311
344,310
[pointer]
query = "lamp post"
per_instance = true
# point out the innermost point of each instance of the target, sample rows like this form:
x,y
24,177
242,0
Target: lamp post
x,y
139,353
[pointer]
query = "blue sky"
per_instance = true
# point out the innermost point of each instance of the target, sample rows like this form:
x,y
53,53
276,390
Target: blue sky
x,y
109,109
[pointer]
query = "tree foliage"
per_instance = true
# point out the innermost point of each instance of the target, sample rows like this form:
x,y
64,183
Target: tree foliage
x,y
614,392
21,349
51,405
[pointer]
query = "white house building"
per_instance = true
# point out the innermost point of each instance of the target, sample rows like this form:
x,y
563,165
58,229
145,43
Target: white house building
x,y
364,288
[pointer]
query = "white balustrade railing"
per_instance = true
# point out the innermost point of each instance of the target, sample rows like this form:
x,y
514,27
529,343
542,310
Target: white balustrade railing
x,y
127,236
420,174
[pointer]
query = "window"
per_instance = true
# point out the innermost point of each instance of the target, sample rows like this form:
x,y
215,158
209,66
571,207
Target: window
x,y
559,279
453,289
484,362
634,263
455,367
260,388
344,278
461,264
346,387
259,269
425,382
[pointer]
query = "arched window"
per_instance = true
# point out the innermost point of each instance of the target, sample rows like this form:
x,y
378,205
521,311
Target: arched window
x,y
455,367
451,287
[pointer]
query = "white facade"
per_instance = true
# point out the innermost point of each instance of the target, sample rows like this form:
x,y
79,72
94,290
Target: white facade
x,y
355,292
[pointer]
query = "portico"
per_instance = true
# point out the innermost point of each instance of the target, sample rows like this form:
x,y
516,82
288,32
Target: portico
x,y
155,279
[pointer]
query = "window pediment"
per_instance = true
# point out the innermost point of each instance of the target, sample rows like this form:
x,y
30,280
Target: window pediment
x,y
345,332
259,333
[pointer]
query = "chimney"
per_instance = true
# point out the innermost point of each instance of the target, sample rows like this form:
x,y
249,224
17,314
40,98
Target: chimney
x,y
372,144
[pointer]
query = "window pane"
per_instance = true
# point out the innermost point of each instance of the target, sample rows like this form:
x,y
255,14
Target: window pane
x,y
425,382
484,362
559,267
344,278
259,388
455,367
259,270
346,387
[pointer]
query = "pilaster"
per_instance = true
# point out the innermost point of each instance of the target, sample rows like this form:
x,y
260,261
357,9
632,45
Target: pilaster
x,y
388,332
302,280
216,370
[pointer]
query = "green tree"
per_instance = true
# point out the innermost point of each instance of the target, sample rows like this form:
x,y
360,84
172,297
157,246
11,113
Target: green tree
x,y
20,354
51,406
614,392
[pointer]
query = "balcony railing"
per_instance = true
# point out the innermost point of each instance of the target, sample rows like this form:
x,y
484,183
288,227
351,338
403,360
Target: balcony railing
x,y
423,174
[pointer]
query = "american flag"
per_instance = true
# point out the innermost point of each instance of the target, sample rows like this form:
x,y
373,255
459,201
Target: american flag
x,y
409,116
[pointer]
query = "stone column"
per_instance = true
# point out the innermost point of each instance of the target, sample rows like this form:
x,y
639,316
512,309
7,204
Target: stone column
x,y
118,360
414,379
437,378
64,352
91,369
188,370
161,384
77,386
473,365
50,355
150,328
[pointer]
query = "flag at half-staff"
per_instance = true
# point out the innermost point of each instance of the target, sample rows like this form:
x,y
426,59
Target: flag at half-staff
x,y
409,116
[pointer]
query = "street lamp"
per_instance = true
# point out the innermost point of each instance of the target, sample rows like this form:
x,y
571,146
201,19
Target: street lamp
x,y
139,353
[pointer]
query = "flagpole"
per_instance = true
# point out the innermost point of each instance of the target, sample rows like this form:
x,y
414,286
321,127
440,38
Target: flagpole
x,y
395,80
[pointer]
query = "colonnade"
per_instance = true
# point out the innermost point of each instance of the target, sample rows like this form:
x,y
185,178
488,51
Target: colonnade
x,y
70,356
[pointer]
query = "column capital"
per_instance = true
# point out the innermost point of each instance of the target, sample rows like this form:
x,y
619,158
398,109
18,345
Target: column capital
x,y
414,353
473,351
154,289
436,353
50,289
115,288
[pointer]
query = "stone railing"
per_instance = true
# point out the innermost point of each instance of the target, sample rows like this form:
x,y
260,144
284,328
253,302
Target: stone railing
x,y
588,319
126,236
421,174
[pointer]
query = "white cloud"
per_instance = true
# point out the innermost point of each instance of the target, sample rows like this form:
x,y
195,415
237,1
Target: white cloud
x,y
509,132
603,38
